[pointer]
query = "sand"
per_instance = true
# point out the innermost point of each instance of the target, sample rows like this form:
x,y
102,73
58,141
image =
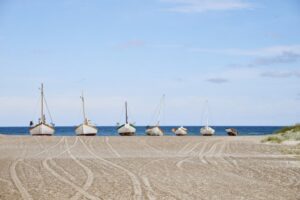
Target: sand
x,y
146,168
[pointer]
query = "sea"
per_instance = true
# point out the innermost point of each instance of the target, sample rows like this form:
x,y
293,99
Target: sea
x,y
140,130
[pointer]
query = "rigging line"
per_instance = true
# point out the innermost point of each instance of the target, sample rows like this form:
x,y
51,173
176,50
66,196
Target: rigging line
x,y
121,115
164,108
36,108
48,110
128,112
152,118
209,113
161,108
203,113
156,115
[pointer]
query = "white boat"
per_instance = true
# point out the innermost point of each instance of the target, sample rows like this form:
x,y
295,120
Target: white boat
x,y
206,130
181,131
86,128
42,128
126,129
156,130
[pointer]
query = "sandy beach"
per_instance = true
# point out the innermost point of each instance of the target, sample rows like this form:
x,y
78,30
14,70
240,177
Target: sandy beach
x,y
146,168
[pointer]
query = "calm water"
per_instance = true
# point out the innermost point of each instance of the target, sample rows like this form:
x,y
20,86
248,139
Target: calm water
x,y
111,130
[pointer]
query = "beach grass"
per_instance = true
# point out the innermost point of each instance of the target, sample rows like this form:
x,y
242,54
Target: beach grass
x,y
290,133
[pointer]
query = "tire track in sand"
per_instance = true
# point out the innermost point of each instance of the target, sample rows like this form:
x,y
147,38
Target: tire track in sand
x,y
231,160
183,148
179,163
46,149
62,179
135,182
14,176
158,151
111,147
88,171
201,153
52,162
149,192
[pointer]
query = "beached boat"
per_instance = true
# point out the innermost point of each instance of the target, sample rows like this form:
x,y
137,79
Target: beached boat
x,y
155,130
181,131
42,128
86,128
232,132
206,130
126,129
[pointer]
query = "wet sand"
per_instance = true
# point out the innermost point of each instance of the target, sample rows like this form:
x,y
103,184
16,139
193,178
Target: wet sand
x,y
146,168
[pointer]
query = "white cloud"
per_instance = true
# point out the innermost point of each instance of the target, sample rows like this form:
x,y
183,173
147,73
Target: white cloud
x,y
199,6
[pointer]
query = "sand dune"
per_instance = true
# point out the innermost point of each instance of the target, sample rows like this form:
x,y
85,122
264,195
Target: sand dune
x,y
146,168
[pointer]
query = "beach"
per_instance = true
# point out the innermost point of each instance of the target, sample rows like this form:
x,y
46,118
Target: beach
x,y
112,167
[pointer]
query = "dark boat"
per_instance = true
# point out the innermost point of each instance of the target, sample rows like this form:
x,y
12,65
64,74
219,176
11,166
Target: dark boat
x,y
232,132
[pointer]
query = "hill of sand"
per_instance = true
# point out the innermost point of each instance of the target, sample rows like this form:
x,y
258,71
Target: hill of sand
x,y
146,168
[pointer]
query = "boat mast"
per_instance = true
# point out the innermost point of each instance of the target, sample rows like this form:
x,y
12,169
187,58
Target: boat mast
x,y
42,104
161,105
126,115
83,109
206,113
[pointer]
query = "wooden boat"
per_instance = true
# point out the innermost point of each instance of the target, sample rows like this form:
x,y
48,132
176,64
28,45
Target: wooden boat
x,y
126,129
42,128
207,131
232,132
181,131
86,128
155,130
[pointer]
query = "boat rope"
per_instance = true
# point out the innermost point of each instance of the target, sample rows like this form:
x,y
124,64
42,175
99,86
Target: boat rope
x,y
121,118
48,110
206,115
156,117
36,108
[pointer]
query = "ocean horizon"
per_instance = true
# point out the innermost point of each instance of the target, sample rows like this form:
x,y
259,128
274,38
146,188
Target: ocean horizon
x,y
140,130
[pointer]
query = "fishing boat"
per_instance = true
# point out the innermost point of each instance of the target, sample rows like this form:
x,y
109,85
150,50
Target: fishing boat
x,y
181,131
86,128
206,130
232,132
42,128
155,130
126,129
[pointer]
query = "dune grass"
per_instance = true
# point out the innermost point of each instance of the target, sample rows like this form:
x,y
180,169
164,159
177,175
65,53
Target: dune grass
x,y
291,133
287,129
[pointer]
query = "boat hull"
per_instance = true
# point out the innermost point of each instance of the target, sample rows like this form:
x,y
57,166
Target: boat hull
x,y
42,129
126,130
181,131
207,131
86,130
232,132
154,131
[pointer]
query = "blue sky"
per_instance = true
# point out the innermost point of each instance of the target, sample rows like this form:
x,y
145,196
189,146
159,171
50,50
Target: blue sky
x,y
242,56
